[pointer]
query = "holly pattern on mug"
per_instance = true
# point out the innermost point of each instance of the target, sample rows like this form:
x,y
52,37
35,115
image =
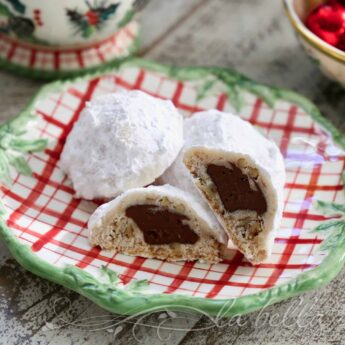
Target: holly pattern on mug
x,y
14,22
94,19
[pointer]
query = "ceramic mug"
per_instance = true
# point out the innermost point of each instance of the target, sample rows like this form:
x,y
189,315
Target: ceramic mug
x,y
64,23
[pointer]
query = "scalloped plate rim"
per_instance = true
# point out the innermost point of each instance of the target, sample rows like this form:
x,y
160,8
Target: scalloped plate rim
x,y
127,302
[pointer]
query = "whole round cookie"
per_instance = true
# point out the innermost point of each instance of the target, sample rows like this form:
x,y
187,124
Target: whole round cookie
x,y
121,140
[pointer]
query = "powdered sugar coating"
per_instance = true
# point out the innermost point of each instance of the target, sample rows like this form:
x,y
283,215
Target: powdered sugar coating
x,y
121,140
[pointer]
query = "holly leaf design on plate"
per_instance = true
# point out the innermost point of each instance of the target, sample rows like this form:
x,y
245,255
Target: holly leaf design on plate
x,y
137,285
4,168
14,147
204,89
85,280
265,93
235,97
114,279
330,208
23,145
21,165
235,85
334,228
336,236
112,276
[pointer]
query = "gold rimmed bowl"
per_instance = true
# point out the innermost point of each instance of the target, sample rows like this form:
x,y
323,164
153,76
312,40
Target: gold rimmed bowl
x,y
330,59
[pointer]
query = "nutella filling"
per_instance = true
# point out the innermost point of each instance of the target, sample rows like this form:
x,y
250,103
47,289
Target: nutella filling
x,y
237,190
161,226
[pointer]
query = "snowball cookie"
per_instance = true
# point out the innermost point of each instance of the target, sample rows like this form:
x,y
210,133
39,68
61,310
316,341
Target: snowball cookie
x,y
121,140
240,174
160,222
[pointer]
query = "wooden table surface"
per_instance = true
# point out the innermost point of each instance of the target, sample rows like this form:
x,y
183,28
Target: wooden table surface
x,y
254,37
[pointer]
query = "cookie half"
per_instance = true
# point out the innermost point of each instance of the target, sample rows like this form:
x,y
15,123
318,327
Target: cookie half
x,y
160,222
240,174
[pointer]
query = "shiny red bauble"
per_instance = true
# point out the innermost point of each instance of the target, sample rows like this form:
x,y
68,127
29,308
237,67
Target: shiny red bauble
x,y
337,3
327,21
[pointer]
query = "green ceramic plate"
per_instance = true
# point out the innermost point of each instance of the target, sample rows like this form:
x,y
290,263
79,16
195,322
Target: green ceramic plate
x,y
44,226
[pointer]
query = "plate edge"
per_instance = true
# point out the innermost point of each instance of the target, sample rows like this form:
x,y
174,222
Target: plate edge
x,y
129,303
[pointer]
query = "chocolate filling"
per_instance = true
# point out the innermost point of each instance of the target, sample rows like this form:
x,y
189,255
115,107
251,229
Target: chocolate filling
x,y
235,190
160,226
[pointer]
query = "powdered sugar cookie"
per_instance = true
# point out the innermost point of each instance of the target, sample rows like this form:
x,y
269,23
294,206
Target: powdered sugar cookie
x,y
239,173
156,222
121,140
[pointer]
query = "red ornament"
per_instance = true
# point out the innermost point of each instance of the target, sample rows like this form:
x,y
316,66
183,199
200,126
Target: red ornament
x,y
327,21
341,43
336,3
